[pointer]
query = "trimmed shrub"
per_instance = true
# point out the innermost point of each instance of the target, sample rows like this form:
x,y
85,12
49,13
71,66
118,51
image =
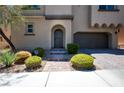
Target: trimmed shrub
x,y
39,52
21,56
82,60
72,48
7,58
33,62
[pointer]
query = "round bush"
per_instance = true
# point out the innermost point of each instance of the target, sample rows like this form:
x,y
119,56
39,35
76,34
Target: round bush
x,y
39,52
72,48
82,60
33,62
21,56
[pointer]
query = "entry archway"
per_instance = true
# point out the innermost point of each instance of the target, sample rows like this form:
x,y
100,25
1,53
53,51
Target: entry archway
x,y
58,36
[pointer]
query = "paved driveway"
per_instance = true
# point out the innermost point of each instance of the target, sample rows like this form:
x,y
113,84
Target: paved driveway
x,y
107,59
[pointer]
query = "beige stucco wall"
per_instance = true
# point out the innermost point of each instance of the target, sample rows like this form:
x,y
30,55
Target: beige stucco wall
x,y
112,17
58,10
42,31
22,41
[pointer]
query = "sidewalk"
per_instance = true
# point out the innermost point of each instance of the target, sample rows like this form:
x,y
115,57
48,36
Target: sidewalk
x,y
99,78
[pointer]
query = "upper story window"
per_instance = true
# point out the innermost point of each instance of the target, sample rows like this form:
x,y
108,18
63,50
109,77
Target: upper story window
x,y
108,8
31,7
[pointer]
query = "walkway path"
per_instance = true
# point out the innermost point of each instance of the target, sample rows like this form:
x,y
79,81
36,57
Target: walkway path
x,y
99,78
58,66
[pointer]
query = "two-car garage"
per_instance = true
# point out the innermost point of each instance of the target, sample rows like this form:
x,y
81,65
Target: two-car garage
x,y
91,40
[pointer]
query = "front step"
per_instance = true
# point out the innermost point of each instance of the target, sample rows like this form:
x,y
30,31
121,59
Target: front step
x,y
58,51
58,55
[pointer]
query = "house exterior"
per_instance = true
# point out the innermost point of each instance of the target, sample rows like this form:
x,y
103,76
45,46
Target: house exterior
x,y
55,26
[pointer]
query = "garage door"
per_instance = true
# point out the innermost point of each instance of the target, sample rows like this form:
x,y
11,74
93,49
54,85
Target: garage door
x,y
91,40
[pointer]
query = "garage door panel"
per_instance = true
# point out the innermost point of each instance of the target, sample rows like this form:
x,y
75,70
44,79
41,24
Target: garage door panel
x,y
91,40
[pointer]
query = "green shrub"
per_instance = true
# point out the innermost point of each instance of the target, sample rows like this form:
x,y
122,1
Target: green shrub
x,y
39,52
7,58
33,62
21,56
72,48
82,60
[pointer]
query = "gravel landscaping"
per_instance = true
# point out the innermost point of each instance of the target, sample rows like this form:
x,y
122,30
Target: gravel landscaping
x,y
20,68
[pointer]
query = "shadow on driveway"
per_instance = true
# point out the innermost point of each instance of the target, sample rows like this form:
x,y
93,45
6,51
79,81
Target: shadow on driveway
x,y
8,79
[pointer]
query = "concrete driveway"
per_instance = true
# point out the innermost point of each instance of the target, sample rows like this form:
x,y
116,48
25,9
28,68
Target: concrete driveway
x,y
106,58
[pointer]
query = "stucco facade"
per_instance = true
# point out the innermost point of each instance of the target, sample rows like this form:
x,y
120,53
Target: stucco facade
x,y
70,20
42,33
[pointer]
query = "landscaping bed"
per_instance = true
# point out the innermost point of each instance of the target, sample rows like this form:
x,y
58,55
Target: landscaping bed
x,y
25,61
20,68
21,61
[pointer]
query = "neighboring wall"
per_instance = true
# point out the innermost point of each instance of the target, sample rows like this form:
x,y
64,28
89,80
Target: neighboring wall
x,y
121,38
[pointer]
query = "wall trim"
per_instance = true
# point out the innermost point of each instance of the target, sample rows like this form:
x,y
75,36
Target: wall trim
x,y
64,17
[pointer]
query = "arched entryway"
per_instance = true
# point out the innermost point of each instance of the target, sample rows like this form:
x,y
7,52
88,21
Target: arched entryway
x,y
58,37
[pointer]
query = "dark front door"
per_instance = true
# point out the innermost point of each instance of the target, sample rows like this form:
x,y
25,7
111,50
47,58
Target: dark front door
x,y
58,38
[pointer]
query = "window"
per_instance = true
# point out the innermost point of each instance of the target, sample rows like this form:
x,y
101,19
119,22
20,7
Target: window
x,y
29,29
36,6
108,8
31,7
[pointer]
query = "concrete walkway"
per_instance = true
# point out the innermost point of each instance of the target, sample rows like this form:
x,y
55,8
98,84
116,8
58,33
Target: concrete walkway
x,y
98,78
58,66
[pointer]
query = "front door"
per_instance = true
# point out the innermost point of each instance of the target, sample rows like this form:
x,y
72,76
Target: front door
x,y
58,38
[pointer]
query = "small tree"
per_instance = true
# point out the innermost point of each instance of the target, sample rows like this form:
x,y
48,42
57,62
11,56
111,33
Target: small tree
x,y
9,15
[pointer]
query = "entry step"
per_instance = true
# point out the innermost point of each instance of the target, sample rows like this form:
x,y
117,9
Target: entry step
x,y
58,51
